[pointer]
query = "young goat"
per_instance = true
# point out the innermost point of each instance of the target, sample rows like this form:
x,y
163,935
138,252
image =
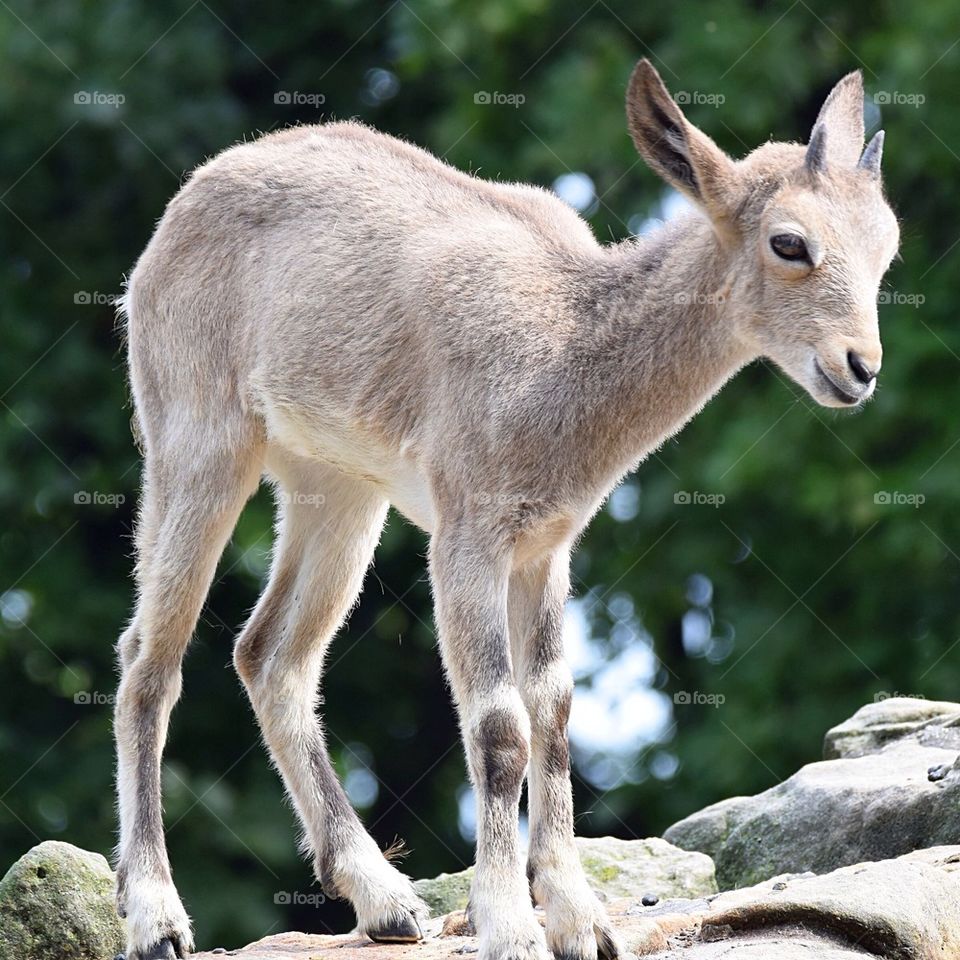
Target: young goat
x,y
346,314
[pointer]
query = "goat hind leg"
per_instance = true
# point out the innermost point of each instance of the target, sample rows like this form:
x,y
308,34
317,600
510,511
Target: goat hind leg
x,y
323,549
189,515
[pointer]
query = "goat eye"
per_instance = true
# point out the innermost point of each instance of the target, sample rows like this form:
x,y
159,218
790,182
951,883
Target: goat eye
x,y
789,246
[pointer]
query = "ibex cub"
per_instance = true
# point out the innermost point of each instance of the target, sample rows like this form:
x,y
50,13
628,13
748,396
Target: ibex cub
x,y
342,312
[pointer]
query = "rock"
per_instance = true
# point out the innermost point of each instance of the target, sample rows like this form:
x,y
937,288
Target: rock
x,y
932,723
615,868
874,801
446,892
902,909
56,901
626,868
707,830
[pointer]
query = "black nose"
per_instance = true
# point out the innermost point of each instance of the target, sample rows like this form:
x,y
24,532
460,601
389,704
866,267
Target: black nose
x,y
860,370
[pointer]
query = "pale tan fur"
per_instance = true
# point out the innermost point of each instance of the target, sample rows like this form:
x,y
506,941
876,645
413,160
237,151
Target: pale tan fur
x,y
363,324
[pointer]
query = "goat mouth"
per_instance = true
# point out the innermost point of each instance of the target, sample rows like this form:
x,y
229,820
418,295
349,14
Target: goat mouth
x,y
833,389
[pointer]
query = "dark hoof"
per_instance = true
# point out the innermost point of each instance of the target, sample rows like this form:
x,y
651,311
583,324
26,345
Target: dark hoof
x,y
403,930
164,950
607,946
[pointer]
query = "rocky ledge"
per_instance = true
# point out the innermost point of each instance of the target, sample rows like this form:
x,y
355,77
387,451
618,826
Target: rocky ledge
x,y
888,785
907,909
855,856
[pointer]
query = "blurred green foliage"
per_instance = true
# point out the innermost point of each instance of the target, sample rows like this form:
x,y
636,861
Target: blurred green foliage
x,y
797,599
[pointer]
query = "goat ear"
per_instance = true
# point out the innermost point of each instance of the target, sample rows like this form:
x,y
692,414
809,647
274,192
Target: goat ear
x,y
675,149
841,117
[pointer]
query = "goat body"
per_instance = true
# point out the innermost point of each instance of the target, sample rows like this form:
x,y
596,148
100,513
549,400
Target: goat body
x,y
343,313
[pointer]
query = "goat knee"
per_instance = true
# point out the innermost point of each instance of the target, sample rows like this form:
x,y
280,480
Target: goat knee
x,y
501,745
247,661
128,646
251,652
149,684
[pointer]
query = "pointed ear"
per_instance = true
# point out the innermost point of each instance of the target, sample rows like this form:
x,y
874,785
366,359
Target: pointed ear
x,y
675,149
841,116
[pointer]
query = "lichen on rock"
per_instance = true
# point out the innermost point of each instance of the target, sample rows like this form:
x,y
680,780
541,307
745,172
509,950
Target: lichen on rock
x,y
57,903
614,868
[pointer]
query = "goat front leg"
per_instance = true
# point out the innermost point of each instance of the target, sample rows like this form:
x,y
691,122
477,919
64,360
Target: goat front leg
x,y
577,924
470,590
